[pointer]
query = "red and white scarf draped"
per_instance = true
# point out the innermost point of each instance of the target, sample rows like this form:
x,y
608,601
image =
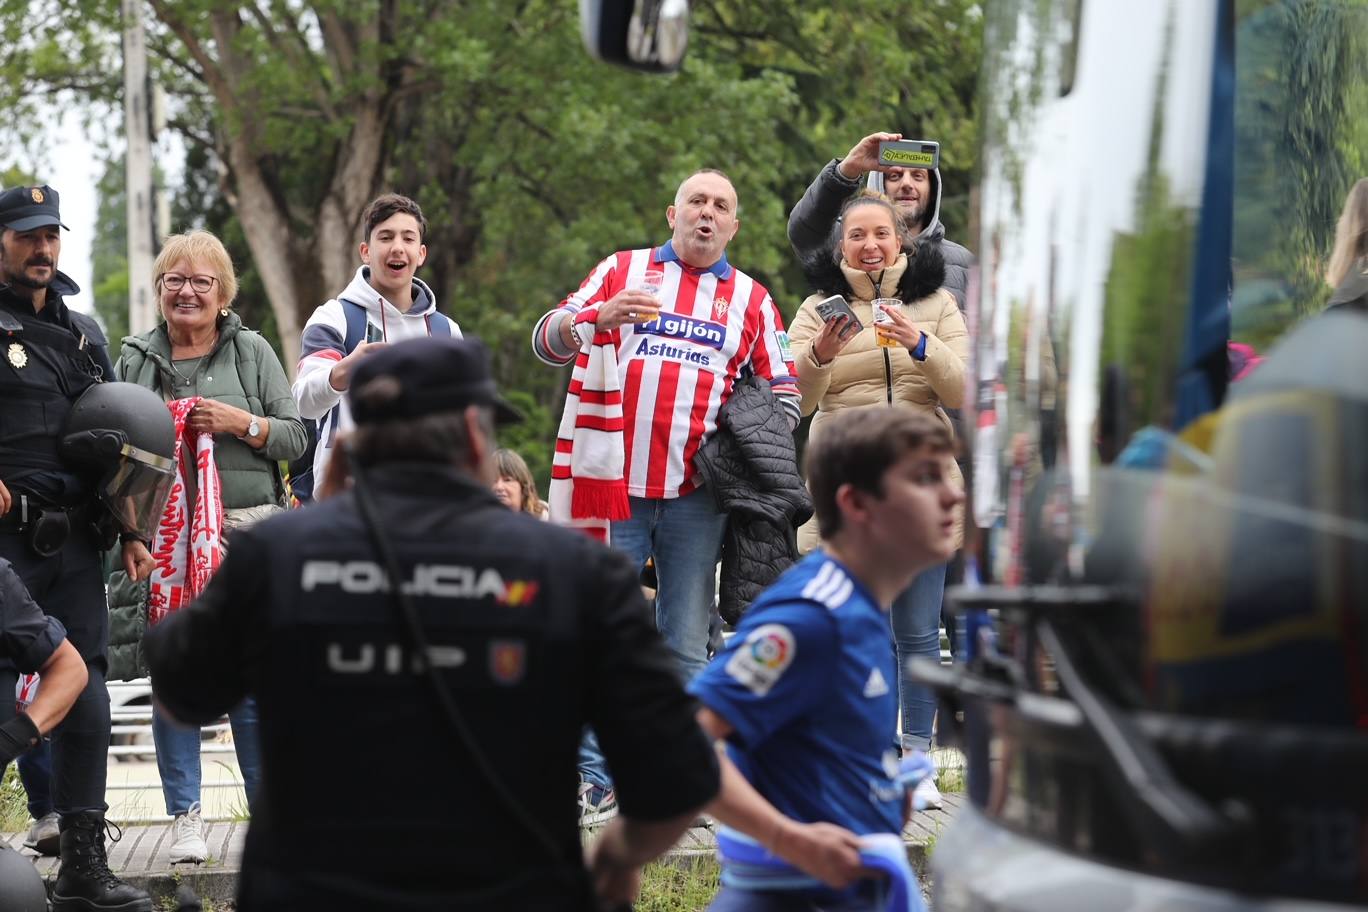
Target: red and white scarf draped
x,y
588,487
186,550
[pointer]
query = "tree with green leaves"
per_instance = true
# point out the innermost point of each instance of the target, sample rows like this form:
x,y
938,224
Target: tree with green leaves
x,y
530,159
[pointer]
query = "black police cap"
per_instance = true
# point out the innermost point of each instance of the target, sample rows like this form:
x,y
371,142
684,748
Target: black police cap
x,y
26,208
435,374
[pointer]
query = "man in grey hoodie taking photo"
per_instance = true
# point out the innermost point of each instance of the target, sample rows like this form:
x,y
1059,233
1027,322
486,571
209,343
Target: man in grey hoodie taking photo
x,y
915,191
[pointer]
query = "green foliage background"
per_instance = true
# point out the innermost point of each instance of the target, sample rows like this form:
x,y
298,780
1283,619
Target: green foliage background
x,y
531,160
1301,140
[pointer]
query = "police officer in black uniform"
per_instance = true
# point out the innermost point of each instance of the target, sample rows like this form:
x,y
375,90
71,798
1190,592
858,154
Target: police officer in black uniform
x,y
49,356
419,742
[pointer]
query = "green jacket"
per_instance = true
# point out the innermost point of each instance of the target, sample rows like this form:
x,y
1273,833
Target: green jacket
x,y
241,370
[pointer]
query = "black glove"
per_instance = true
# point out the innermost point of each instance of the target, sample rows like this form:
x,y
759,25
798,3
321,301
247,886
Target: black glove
x,y
16,736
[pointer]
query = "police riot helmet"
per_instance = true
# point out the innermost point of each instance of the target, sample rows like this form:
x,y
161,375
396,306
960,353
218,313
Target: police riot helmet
x,y
21,886
126,432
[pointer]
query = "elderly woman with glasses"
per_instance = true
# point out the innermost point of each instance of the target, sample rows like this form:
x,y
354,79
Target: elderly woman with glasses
x,y
202,351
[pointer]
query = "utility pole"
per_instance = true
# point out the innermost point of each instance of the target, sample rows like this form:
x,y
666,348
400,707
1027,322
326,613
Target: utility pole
x,y
142,309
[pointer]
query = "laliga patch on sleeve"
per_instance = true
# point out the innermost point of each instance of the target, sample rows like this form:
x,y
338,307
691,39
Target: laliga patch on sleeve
x,y
759,662
781,339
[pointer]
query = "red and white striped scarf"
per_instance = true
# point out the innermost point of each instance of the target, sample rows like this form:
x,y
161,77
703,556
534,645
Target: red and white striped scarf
x,y
588,490
189,536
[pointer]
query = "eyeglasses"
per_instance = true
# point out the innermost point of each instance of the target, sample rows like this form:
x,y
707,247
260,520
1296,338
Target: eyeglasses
x,y
200,284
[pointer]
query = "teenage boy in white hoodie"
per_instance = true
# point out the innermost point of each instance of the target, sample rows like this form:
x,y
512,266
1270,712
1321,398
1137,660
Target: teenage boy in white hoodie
x,y
395,304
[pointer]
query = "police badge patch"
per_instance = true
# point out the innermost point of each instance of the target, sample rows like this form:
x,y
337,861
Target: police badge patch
x,y
507,661
36,194
18,358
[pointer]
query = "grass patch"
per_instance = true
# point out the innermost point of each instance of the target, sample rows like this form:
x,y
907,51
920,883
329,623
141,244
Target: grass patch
x,y
684,886
951,779
933,839
951,775
14,815
238,811
172,903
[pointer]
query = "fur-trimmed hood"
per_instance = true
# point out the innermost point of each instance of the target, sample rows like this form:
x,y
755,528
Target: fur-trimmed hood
x,y
922,273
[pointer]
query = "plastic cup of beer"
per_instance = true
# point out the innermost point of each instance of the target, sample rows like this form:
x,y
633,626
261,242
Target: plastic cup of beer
x,y
650,282
882,319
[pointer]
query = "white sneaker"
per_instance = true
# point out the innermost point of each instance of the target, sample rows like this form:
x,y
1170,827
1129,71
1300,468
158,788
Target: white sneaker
x,y
45,835
187,837
596,804
926,796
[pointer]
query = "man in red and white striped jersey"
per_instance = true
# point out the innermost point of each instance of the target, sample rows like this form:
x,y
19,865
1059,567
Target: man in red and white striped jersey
x,y
685,322
679,350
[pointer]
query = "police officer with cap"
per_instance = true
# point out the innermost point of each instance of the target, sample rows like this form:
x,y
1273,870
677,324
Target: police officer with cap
x,y
53,525
457,649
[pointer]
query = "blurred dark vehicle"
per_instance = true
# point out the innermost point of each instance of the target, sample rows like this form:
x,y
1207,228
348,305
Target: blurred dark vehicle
x,y
1163,692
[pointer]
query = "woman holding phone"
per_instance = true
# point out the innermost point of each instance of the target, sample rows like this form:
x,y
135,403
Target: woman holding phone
x,y
900,340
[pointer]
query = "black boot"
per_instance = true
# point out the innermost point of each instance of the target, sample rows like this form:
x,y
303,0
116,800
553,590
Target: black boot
x,y
85,883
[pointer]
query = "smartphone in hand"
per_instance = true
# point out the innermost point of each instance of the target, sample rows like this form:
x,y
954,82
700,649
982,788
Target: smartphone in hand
x,y
835,306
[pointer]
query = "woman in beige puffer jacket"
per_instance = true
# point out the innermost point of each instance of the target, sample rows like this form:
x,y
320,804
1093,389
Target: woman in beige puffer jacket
x,y
861,372
925,370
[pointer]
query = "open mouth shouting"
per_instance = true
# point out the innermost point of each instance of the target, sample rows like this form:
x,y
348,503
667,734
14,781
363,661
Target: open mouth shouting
x,y
396,268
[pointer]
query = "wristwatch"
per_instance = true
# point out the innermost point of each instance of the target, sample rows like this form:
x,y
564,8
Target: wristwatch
x,y
253,429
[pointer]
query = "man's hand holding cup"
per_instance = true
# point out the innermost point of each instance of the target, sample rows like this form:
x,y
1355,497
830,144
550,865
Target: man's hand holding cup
x,y
638,303
627,306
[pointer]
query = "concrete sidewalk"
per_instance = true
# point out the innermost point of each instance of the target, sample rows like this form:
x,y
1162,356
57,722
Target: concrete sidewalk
x,y
140,856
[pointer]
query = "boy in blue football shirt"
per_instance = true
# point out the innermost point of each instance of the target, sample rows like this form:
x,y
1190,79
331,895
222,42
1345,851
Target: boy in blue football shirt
x,y
805,695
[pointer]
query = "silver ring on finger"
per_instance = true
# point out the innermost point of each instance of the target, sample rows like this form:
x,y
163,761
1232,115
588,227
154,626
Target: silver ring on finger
x,y
631,314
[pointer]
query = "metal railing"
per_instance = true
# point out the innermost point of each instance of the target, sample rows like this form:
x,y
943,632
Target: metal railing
x,y
131,737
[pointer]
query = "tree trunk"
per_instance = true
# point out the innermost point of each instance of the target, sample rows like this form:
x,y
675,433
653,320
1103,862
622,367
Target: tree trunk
x,y
267,230
300,273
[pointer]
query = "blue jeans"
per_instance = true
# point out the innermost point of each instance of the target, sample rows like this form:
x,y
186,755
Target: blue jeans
x,y
178,756
593,768
684,535
35,772
916,632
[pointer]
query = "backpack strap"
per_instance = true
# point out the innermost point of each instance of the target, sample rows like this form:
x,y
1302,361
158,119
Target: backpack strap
x,y
356,325
441,327
356,333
